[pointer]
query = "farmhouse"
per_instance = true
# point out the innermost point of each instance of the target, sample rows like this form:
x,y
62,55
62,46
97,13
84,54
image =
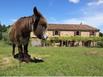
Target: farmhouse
x,y
72,30
68,30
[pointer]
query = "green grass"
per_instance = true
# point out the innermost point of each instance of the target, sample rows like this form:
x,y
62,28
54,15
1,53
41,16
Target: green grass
x,y
58,61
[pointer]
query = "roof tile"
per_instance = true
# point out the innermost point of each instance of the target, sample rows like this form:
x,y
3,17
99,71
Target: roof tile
x,y
64,27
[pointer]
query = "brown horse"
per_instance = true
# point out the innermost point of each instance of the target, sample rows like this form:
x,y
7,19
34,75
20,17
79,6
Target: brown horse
x,y
20,33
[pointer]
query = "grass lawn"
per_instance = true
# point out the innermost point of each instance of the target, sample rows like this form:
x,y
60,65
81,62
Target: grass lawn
x,y
58,61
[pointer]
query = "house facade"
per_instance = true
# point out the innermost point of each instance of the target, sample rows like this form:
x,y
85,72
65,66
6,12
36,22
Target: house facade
x,y
67,30
71,30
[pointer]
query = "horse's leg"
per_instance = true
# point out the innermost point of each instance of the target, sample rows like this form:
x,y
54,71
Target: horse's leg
x,y
26,48
26,55
20,56
13,51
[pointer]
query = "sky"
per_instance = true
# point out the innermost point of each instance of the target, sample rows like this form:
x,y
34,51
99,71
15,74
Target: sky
x,y
55,11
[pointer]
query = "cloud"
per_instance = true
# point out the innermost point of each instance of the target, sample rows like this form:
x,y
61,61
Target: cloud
x,y
12,21
98,2
95,20
71,21
52,20
90,20
91,14
74,1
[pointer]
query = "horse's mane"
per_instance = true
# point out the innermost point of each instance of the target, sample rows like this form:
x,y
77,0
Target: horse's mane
x,y
22,18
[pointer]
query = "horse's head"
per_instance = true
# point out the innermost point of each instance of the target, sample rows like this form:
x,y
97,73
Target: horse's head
x,y
40,25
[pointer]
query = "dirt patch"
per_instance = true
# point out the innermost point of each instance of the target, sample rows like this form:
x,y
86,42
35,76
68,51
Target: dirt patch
x,y
6,61
93,53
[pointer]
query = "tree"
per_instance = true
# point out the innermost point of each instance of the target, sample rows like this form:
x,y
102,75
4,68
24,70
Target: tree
x,y
101,34
0,31
4,28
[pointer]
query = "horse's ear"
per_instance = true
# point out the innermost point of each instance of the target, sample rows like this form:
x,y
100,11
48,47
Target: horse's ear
x,y
36,12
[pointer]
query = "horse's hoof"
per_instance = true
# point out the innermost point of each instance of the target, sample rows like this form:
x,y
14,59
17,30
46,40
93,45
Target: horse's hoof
x,y
27,58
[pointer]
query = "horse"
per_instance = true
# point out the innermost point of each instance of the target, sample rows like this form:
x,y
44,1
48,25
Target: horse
x,y
20,33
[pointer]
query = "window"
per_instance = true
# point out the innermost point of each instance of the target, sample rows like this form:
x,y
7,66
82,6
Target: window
x,y
77,33
92,33
56,33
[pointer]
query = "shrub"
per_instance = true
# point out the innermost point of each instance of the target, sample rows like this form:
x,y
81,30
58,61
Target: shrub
x,y
46,43
100,44
6,38
0,35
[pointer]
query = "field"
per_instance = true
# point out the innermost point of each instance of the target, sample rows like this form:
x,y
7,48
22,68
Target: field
x,y
58,61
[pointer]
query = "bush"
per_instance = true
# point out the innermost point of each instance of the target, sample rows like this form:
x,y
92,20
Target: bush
x,y
100,44
0,35
6,38
46,43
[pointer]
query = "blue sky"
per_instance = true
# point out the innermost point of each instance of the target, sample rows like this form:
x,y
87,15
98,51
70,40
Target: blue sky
x,y
55,11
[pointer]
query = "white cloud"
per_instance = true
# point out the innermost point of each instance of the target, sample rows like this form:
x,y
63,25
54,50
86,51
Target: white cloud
x,y
12,21
98,2
71,21
95,21
92,16
52,20
74,1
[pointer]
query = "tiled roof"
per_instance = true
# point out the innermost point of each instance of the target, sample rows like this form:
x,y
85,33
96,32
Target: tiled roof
x,y
69,27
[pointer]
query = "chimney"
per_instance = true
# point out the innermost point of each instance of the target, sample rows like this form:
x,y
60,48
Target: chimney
x,y
81,23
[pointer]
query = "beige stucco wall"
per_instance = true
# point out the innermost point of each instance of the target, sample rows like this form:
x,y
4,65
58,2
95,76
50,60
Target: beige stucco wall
x,y
85,34
97,34
49,33
66,33
62,33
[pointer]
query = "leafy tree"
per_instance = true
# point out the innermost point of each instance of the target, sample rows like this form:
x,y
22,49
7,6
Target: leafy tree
x,y
0,35
101,34
4,28
6,37
0,31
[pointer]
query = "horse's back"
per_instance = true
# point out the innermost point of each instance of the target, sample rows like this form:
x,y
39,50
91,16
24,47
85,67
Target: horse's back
x,y
18,27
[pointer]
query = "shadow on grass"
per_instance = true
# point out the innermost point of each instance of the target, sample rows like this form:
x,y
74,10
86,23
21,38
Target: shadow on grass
x,y
33,60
